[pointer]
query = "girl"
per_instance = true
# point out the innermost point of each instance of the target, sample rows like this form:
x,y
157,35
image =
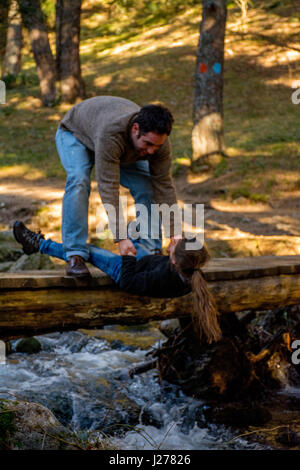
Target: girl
x,y
146,274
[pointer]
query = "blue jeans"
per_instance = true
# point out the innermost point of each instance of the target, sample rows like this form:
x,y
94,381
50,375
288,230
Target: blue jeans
x,y
78,162
105,260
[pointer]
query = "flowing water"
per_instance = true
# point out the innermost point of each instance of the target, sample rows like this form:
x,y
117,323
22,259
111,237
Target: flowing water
x,y
84,380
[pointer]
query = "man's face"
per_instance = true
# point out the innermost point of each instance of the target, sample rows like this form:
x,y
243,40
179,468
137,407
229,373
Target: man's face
x,y
146,144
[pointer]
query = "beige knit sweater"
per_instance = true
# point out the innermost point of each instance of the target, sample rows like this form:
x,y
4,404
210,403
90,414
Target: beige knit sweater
x,y
103,125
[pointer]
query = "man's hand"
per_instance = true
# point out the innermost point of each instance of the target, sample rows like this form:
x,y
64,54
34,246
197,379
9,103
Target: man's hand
x,y
126,247
173,241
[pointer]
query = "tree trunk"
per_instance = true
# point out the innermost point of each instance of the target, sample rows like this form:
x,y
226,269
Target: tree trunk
x,y
67,49
28,312
58,26
38,302
33,20
207,136
4,7
12,59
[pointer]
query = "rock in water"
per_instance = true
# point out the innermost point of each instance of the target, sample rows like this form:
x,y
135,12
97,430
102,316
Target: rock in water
x,y
31,426
32,262
29,346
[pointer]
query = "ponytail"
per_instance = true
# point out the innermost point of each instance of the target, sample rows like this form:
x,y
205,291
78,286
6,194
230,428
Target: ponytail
x,y
205,314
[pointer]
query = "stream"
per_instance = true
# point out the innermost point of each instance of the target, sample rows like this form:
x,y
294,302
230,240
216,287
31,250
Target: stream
x,y
83,379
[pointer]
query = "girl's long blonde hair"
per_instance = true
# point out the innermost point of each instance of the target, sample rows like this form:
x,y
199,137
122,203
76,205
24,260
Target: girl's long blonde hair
x,y
205,314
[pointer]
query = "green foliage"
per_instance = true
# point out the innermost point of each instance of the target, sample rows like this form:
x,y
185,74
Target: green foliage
x,y
221,167
258,197
240,192
48,9
245,192
23,79
28,78
9,80
7,110
149,12
236,3
178,164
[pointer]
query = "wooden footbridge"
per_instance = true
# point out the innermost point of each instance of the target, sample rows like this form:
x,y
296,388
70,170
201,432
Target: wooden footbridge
x,y
37,302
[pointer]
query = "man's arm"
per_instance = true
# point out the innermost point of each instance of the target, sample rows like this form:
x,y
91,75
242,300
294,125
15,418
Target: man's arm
x,y
108,152
161,179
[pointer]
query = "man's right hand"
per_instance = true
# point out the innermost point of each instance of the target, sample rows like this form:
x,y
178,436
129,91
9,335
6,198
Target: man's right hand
x,y
126,247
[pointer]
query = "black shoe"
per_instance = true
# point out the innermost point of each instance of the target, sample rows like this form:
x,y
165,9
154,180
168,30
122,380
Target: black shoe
x,y
29,240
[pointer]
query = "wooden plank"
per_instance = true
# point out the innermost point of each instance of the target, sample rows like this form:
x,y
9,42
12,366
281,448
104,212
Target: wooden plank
x,y
251,267
27,312
48,279
216,269
37,302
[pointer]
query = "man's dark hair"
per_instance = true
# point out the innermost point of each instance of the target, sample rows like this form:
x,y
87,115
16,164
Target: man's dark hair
x,y
154,118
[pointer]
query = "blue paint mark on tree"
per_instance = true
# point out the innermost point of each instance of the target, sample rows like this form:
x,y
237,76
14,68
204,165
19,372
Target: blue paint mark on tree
x,y
217,67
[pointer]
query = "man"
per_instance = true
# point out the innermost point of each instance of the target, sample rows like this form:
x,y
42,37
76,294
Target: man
x,y
129,146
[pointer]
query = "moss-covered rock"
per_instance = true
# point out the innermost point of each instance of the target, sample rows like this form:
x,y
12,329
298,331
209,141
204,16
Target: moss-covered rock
x,y
10,251
31,426
7,236
32,262
13,259
5,266
7,426
29,346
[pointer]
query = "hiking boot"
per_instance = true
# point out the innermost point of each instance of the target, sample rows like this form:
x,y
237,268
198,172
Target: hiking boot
x,y
76,267
29,240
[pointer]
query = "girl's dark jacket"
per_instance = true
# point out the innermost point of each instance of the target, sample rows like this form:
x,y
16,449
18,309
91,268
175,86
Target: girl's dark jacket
x,y
153,276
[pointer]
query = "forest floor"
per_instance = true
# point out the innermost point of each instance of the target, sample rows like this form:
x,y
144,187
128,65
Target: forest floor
x,y
251,198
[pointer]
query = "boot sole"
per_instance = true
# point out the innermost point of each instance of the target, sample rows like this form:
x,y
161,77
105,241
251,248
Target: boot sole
x,y
87,276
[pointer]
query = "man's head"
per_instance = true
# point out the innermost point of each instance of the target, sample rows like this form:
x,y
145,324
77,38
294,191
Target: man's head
x,y
150,128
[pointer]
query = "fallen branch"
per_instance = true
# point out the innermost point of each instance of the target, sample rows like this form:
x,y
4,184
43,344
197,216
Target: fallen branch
x,y
142,368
